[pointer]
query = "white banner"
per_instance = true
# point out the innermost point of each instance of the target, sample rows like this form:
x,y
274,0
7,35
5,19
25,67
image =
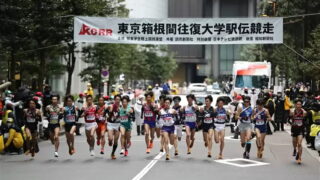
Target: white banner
x,y
179,30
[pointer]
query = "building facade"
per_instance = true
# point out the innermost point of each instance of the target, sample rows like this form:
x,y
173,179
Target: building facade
x,y
196,62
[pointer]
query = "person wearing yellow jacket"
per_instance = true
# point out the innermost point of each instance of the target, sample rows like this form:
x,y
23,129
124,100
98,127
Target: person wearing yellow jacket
x,y
287,105
15,141
315,123
1,142
89,90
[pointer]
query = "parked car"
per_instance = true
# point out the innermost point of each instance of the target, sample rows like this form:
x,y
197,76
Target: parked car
x,y
214,88
196,88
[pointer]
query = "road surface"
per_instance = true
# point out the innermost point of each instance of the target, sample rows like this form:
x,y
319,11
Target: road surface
x,y
277,162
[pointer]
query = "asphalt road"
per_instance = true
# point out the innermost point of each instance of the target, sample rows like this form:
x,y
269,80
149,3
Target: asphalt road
x,y
277,162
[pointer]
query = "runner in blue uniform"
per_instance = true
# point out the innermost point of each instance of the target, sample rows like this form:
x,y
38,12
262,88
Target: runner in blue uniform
x,y
244,114
260,117
70,117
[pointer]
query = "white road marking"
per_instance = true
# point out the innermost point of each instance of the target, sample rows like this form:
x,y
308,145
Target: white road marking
x,y
231,138
231,162
145,170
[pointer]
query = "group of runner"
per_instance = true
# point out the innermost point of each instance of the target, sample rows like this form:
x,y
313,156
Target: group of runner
x,y
162,119
116,119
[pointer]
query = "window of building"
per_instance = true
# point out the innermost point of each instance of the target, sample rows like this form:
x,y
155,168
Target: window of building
x,y
228,54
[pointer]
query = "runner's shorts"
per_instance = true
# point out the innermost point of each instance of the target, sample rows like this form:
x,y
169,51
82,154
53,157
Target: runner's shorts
x,y
68,126
207,127
297,131
243,127
126,125
262,128
219,127
178,130
168,129
191,125
113,126
101,127
32,127
152,124
89,126
52,127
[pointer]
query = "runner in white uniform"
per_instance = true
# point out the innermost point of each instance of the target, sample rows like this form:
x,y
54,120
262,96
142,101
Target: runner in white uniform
x,y
219,123
190,118
167,118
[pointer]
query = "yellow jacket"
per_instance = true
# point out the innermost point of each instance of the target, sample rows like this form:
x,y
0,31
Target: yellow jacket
x,y
6,116
315,127
287,103
15,138
174,91
1,143
89,92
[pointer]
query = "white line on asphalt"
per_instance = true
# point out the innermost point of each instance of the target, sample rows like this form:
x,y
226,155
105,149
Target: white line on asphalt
x,y
150,165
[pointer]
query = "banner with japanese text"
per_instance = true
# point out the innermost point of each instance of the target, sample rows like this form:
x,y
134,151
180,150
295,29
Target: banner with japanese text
x,y
179,30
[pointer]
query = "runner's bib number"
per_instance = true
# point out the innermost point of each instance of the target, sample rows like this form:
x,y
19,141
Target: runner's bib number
x,y
190,117
71,118
148,114
259,121
31,120
90,117
124,119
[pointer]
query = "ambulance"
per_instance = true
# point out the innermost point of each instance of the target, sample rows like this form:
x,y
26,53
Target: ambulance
x,y
251,75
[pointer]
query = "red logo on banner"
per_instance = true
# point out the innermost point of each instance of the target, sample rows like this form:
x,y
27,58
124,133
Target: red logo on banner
x,y
87,30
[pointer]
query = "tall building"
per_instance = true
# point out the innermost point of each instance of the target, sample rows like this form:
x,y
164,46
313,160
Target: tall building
x,y
147,8
196,62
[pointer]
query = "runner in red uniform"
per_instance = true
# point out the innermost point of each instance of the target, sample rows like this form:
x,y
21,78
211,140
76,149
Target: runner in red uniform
x,y
101,120
297,129
89,114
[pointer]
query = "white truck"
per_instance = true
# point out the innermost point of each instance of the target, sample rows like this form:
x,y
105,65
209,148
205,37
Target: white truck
x,y
251,75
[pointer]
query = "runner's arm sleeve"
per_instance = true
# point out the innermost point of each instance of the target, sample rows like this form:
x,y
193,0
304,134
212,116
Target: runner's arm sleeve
x,y
131,116
200,116
38,116
141,112
80,112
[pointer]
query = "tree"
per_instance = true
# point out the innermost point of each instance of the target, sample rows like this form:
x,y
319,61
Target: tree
x,y
13,34
313,54
136,62
102,56
83,8
161,63
297,31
